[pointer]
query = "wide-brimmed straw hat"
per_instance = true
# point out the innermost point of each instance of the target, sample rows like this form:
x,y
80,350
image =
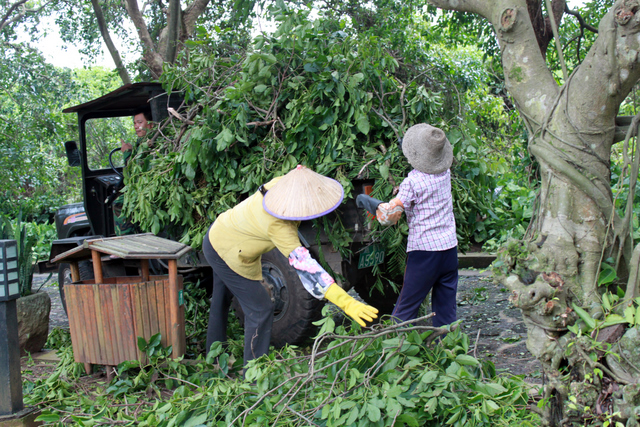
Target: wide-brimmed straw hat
x,y
427,149
303,194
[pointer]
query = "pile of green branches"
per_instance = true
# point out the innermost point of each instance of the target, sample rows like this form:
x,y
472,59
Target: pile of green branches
x,y
388,375
317,93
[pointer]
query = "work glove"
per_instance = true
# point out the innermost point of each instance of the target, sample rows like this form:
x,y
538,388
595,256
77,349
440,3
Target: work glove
x,y
352,307
368,203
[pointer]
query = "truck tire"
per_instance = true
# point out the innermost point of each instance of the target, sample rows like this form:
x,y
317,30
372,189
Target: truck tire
x,y
295,308
64,277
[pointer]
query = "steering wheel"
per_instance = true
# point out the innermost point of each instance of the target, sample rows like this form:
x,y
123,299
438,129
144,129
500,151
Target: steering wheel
x,y
111,162
119,184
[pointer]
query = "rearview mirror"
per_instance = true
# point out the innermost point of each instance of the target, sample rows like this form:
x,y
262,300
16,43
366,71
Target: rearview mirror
x,y
73,154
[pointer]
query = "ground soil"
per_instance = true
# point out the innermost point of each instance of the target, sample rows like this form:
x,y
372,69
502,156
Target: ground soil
x,y
494,326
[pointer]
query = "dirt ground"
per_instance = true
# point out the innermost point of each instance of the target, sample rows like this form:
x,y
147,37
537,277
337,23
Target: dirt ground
x,y
484,307
494,326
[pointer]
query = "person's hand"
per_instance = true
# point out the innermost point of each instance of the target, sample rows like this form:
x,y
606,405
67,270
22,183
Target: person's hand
x,y
125,146
353,308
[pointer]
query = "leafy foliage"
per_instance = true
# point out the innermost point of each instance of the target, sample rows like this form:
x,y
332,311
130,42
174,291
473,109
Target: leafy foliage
x,y
32,95
383,376
25,243
315,92
33,245
36,178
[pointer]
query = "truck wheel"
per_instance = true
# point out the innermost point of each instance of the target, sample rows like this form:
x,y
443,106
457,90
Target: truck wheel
x,y
64,277
295,309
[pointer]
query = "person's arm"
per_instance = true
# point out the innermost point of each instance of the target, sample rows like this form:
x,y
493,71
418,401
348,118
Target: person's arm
x,y
314,278
320,284
126,148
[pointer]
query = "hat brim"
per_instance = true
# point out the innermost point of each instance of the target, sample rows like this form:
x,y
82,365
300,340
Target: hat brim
x,y
303,194
430,167
302,218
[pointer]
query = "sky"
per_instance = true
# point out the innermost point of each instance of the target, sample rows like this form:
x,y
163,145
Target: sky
x,y
61,54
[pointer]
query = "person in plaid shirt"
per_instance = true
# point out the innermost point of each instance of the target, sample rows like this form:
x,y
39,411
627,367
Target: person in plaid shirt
x,y
432,247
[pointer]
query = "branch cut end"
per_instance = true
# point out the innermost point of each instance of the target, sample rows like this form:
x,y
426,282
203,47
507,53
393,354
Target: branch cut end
x,y
508,19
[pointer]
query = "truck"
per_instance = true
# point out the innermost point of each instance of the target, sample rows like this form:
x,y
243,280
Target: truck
x,y
106,121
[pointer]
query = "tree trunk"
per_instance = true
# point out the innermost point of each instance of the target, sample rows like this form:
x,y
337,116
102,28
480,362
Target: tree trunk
x,y
113,51
180,26
571,131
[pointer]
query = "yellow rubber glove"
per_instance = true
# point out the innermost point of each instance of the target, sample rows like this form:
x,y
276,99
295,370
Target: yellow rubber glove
x,y
352,307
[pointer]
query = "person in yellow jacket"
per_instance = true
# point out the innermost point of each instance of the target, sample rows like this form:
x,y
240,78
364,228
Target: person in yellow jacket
x,y
266,220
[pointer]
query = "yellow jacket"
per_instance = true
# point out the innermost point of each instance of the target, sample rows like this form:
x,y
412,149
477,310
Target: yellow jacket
x,y
242,234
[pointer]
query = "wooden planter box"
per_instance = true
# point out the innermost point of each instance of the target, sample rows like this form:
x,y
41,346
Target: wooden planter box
x,y
108,314
105,320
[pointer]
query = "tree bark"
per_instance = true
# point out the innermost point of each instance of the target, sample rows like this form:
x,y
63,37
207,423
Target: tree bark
x,y
180,26
571,132
153,59
173,30
190,16
542,24
106,37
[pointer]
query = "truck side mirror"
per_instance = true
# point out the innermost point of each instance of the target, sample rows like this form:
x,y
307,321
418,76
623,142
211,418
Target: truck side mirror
x,y
73,154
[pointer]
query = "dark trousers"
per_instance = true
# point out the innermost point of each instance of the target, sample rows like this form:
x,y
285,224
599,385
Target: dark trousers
x,y
426,271
253,298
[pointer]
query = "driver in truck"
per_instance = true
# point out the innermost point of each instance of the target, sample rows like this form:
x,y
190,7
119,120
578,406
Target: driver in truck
x,y
266,220
141,123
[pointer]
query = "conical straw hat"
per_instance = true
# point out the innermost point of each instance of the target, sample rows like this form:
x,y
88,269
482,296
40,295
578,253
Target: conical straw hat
x,y
303,194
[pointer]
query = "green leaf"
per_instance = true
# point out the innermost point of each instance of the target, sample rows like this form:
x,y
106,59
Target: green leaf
x,y
191,154
190,172
224,139
48,417
586,318
154,341
363,124
454,417
613,319
491,406
353,416
384,170
429,377
409,419
196,421
465,359
373,412
629,314
494,389
142,344
356,79
431,405
607,275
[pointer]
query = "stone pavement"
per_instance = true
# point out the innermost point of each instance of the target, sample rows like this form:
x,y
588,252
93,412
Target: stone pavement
x,y
57,317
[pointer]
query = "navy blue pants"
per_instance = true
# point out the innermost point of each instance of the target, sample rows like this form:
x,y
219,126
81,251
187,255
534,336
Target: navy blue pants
x,y
253,298
435,271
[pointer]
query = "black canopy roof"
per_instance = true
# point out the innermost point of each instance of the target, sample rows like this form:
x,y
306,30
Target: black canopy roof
x,y
131,96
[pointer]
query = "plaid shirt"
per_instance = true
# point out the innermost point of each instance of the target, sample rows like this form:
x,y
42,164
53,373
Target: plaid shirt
x,y
428,204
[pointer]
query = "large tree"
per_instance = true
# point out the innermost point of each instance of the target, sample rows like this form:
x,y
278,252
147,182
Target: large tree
x,y
161,27
553,274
